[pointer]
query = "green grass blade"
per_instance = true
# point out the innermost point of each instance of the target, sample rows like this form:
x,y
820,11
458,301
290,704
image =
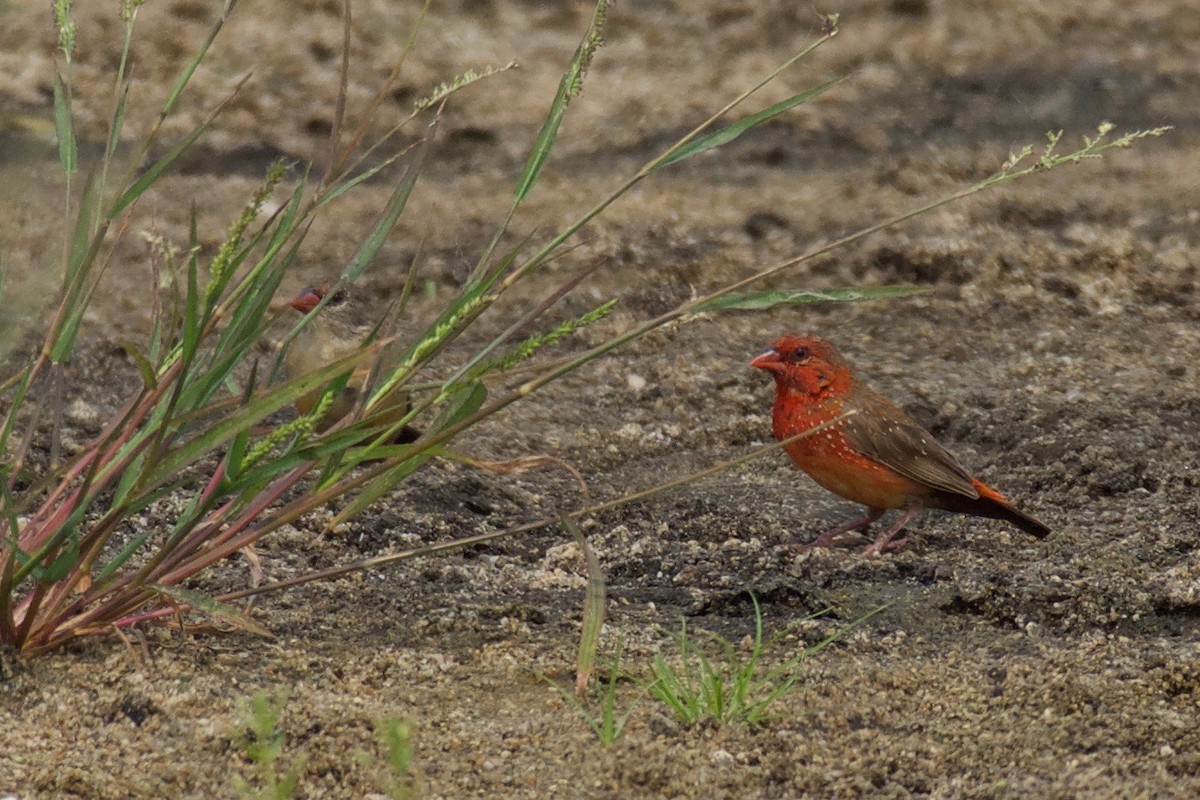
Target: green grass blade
x,y
151,176
467,403
470,399
237,449
379,486
145,368
101,574
568,88
387,221
761,301
248,319
118,124
186,76
65,536
8,633
593,722
731,132
84,247
349,183
130,475
545,140
191,303
207,605
593,612
62,564
249,313
252,480
68,153
474,293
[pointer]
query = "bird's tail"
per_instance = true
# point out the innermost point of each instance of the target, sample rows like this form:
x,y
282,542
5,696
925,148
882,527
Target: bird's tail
x,y
991,503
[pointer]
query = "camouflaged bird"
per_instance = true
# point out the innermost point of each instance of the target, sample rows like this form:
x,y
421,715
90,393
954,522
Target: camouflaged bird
x,y
330,335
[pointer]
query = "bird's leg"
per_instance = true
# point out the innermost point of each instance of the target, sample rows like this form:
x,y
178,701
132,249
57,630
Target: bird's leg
x,y
887,540
826,538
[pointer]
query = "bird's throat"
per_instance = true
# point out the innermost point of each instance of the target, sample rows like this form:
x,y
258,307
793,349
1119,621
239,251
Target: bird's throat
x,y
797,410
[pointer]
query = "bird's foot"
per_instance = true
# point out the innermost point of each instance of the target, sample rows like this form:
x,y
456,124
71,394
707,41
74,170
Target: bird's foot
x,y
879,547
838,539
887,541
815,544
830,537
827,539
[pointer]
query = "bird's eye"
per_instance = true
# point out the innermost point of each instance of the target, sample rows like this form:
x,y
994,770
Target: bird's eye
x,y
801,355
338,298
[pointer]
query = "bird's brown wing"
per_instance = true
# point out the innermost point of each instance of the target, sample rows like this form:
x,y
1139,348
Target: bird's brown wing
x,y
904,446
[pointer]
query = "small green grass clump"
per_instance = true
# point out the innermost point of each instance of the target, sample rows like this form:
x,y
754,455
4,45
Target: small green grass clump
x,y
262,741
727,688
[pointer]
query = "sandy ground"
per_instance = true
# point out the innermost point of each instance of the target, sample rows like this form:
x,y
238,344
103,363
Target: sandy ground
x,y
1056,356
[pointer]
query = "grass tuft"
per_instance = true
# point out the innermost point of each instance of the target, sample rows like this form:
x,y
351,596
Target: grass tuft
x,y
608,722
725,688
262,742
394,770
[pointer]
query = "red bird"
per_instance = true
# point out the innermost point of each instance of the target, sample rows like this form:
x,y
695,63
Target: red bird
x,y
879,456
332,335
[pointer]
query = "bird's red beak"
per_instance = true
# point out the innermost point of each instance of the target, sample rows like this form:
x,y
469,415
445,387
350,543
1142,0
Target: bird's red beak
x,y
307,300
768,361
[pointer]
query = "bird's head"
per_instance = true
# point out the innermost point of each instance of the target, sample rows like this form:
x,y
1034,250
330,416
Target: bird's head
x,y
311,296
334,331
805,365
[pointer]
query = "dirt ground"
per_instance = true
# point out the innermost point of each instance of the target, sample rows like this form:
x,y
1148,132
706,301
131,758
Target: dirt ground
x,y
1057,357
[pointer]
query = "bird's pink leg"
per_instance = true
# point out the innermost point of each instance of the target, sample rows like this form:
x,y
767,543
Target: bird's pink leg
x,y
826,538
887,540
